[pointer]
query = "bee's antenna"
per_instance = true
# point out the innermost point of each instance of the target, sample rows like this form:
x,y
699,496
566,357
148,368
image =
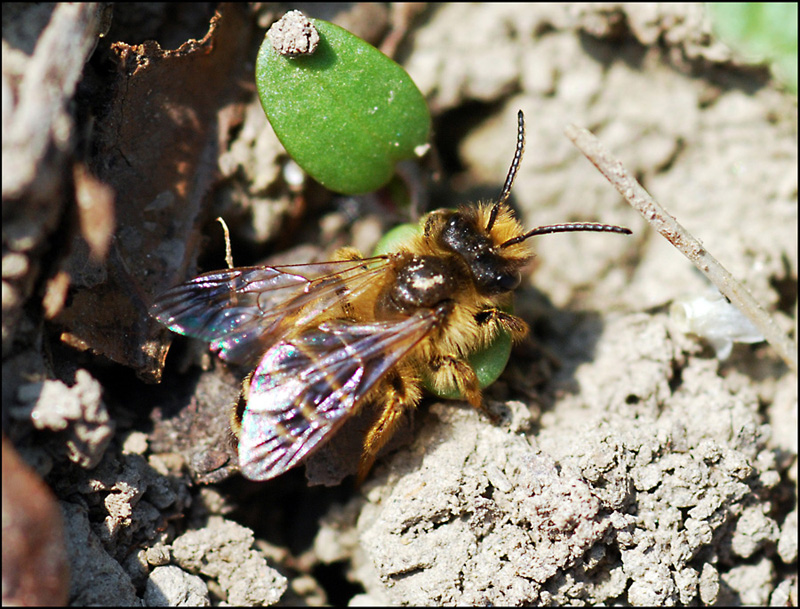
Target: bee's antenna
x,y
568,228
512,171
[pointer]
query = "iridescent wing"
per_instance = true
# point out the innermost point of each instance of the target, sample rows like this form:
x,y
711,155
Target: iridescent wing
x,y
242,311
306,387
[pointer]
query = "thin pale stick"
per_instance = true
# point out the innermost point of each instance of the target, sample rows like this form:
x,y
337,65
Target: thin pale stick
x,y
672,231
228,254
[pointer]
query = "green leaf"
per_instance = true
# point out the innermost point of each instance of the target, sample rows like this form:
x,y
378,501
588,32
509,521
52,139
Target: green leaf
x,y
346,114
761,32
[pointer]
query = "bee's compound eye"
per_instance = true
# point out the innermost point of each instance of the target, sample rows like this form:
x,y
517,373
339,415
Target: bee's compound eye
x,y
507,281
491,276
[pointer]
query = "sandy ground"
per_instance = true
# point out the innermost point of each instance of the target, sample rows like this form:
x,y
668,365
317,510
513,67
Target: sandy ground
x,y
632,464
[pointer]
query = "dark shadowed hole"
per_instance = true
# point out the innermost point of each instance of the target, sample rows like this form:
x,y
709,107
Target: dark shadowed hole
x,y
334,581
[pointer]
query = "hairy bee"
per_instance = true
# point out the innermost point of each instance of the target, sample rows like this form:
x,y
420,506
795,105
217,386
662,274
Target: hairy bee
x,y
327,338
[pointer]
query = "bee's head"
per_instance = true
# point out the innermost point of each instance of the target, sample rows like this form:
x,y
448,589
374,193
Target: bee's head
x,y
466,233
490,239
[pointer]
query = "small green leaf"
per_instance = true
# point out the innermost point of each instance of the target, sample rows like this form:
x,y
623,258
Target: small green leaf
x,y
346,114
761,32
487,363
395,238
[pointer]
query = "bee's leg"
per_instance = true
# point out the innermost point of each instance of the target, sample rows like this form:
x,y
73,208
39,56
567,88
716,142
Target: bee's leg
x,y
450,371
511,323
341,255
347,253
237,411
401,391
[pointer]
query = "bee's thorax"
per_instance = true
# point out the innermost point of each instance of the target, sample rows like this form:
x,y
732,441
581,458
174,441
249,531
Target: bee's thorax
x,y
422,282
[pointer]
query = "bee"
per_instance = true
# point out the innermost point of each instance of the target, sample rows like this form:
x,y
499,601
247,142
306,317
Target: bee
x,y
327,338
